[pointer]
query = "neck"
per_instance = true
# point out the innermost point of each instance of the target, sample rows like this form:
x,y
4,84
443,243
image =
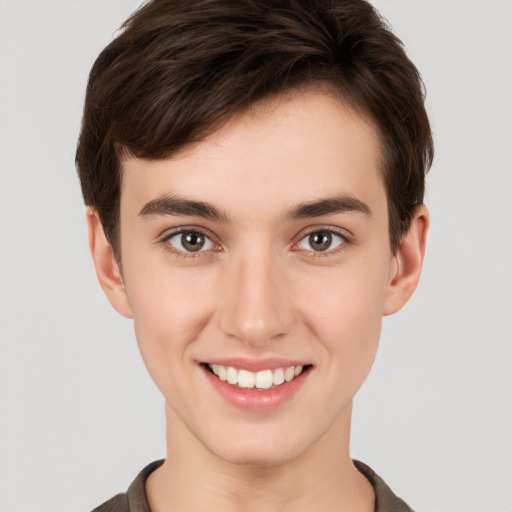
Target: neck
x,y
322,478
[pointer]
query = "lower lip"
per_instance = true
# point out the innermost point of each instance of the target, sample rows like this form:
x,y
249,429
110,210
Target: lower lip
x,y
251,399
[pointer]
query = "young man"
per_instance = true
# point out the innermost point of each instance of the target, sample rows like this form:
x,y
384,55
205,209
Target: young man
x,y
254,172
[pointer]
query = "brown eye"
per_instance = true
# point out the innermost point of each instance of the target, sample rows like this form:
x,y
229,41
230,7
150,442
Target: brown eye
x,y
321,241
190,241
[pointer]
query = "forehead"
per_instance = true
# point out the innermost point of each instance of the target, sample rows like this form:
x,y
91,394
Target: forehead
x,y
292,148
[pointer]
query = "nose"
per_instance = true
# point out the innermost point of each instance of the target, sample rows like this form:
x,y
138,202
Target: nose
x,y
256,304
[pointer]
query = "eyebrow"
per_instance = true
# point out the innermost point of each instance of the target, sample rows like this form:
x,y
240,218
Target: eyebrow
x,y
174,205
329,206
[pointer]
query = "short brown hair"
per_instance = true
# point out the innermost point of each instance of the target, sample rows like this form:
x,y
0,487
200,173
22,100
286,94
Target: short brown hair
x,y
180,68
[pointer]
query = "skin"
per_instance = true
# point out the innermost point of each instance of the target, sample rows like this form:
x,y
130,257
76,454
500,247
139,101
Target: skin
x,y
261,290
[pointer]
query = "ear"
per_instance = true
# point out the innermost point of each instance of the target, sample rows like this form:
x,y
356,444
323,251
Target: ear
x,y
107,269
407,262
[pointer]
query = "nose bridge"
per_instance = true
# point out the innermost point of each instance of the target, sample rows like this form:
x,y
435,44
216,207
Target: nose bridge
x,y
256,307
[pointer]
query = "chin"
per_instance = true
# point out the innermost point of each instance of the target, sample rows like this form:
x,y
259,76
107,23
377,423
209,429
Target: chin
x,y
261,452
256,458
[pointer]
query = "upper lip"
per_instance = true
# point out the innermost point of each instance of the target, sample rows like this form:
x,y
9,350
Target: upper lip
x,y
256,365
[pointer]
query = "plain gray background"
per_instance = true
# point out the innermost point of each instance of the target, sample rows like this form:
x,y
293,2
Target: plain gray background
x,y
79,414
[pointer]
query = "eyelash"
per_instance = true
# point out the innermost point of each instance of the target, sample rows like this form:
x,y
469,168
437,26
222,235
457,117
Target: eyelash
x,y
345,241
312,254
184,230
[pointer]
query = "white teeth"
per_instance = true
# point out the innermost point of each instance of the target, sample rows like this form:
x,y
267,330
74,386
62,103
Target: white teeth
x,y
245,379
260,380
264,379
221,372
289,373
232,375
278,377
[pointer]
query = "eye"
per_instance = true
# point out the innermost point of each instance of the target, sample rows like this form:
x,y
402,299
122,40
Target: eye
x,y
321,241
190,241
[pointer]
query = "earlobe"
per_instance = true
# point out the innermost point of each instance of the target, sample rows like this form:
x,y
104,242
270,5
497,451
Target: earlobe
x,y
407,263
107,268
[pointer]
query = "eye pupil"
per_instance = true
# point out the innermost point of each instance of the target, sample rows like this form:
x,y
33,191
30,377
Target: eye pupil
x,y
192,242
320,241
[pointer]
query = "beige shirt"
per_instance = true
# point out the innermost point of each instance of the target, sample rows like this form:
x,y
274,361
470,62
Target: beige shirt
x,y
135,499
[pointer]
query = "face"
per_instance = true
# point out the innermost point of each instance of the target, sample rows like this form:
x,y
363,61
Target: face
x,y
257,268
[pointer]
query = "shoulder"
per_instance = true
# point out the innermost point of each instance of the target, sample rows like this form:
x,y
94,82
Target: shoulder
x,y
385,498
135,499
118,503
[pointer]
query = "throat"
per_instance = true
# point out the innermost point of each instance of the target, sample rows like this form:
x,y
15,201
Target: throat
x,y
234,488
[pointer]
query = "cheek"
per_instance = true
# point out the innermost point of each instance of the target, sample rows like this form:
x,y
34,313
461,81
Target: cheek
x,y
347,318
348,324
169,308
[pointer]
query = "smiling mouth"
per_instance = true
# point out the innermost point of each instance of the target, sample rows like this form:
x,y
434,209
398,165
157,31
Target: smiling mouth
x,y
259,381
